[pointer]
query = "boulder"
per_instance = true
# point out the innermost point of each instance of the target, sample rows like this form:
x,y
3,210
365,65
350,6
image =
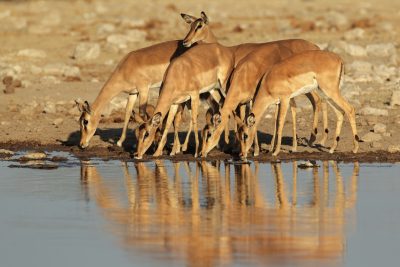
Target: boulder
x,y
379,128
371,137
33,53
86,51
374,111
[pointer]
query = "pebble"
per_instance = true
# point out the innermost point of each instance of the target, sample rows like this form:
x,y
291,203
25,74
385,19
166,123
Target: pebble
x,y
379,128
86,51
393,148
49,108
354,50
354,34
371,137
62,69
373,111
33,53
58,121
381,50
337,19
6,152
34,156
395,99
105,28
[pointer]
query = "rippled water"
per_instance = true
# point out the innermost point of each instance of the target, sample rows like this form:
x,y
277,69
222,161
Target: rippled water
x,y
162,213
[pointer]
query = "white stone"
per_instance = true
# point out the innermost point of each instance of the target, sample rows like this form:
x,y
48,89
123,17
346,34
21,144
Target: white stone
x,y
127,22
393,148
86,51
62,70
337,19
5,13
355,50
34,53
105,28
118,40
72,71
359,66
379,128
49,79
354,34
35,70
381,50
136,36
58,121
34,156
395,99
6,152
49,108
374,111
371,137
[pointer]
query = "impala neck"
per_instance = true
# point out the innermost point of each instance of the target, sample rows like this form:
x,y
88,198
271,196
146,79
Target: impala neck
x,y
210,38
107,93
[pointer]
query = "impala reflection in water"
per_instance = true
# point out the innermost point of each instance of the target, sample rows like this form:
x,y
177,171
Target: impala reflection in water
x,y
218,214
207,214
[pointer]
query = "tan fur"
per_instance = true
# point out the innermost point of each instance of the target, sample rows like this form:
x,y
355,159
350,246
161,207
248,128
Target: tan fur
x,y
288,77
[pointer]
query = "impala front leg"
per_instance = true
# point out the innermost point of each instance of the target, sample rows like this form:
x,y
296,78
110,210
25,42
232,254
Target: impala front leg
x,y
128,110
283,107
143,98
195,109
293,107
171,115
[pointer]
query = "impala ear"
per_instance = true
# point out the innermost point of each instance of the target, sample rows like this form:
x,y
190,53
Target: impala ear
x,y
238,121
86,107
216,119
188,18
156,120
79,104
204,17
251,120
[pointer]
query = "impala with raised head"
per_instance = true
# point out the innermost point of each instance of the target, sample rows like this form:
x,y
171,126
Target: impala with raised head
x,y
204,68
136,74
247,76
319,71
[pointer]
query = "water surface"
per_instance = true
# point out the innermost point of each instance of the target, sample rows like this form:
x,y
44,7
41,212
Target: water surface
x,y
160,213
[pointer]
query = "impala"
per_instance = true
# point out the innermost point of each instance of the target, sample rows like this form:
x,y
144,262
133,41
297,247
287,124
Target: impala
x,y
136,74
303,73
247,76
201,69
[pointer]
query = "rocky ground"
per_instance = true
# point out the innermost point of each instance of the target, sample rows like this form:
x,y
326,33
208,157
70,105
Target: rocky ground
x,y
53,52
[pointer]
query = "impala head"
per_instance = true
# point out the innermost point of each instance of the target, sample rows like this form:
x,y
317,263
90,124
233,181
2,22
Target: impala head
x,y
148,133
87,122
212,121
199,29
245,134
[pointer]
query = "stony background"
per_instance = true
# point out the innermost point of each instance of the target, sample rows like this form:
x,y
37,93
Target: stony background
x,y
53,52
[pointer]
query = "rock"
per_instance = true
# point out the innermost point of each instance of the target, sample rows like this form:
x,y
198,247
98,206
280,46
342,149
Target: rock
x,y
136,36
264,147
354,34
62,70
49,79
49,108
379,128
118,40
371,137
34,156
359,66
19,23
395,99
30,109
58,121
337,19
6,152
385,72
33,53
375,145
355,50
105,28
393,148
35,70
5,14
308,164
86,51
381,50
133,23
374,111
39,29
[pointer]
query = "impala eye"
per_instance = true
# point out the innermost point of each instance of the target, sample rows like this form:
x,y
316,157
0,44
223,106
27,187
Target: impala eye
x,y
245,136
199,26
85,122
146,134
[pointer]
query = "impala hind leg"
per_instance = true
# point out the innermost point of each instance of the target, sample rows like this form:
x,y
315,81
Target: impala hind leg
x,y
143,98
128,110
272,145
293,110
316,105
343,107
324,107
171,115
283,107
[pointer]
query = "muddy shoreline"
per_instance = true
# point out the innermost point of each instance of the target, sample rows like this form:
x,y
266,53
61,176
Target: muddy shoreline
x,y
116,153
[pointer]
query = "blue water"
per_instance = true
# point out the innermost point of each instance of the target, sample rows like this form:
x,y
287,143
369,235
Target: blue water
x,y
161,213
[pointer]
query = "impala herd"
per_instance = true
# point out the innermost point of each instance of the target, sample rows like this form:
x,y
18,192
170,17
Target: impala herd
x,y
247,77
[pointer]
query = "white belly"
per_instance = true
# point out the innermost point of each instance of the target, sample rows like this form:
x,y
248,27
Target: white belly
x,y
305,89
208,88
